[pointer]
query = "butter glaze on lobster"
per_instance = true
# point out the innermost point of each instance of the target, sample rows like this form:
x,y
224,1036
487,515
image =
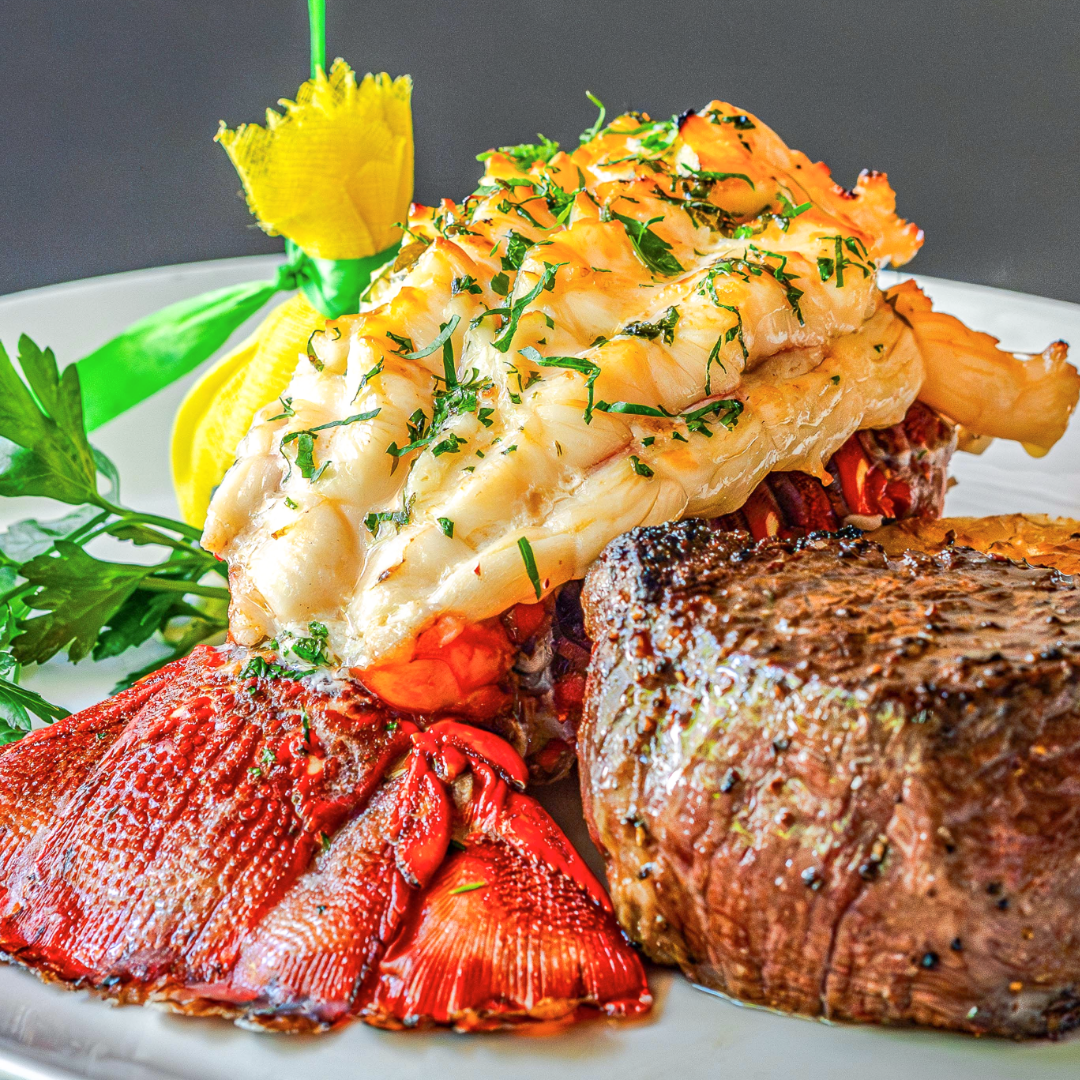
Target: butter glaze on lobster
x,y
630,334
292,854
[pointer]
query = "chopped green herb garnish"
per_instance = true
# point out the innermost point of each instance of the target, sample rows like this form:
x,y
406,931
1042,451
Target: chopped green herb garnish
x,y
446,329
286,409
591,133
835,380
450,445
655,252
631,408
584,367
259,668
398,518
404,344
517,247
289,503
664,327
525,154
514,312
529,560
638,467
369,375
648,440
500,284
716,177
472,886
465,284
827,268
312,649
447,527
305,444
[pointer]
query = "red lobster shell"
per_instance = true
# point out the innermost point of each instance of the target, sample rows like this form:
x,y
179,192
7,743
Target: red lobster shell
x,y
290,853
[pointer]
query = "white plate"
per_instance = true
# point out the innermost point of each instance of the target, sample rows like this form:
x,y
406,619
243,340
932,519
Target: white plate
x,y
47,1033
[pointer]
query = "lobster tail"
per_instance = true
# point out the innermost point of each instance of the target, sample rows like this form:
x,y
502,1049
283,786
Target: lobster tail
x,y
289,853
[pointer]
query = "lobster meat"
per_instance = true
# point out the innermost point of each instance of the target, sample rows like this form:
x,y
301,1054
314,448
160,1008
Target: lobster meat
x,y
289,852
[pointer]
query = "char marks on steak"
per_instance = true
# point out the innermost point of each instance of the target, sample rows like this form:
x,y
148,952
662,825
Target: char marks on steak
x,y
291,853
839,783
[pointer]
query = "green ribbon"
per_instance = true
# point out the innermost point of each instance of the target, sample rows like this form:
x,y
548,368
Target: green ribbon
x,y
156,351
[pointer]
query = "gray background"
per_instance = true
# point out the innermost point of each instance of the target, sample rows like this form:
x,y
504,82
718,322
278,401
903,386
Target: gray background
x,y
109,108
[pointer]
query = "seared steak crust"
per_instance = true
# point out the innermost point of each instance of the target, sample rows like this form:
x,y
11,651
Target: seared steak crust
x,y
837,783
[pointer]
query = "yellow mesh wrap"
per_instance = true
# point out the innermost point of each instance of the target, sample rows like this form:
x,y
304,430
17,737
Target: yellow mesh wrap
x,y
334,170
217,412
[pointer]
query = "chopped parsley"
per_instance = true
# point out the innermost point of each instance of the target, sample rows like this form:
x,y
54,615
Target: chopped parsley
x,y
447,527
638,467
312,650
591,133
716,177
529,560
513,313
305,444
732,334
259,667
664,327
655,252
404,344
471,886
398,518
827,267
526,154
584,367
286,409
465,284
500,284
517,247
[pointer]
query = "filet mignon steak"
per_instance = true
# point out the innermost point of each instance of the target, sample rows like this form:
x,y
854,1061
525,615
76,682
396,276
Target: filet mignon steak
x,y
839,783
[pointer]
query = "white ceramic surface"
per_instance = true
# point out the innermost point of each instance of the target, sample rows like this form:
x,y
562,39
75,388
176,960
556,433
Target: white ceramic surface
x,y
48,1034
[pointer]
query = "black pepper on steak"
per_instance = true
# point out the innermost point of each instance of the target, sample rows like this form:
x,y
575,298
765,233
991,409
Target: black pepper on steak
x,y
839,783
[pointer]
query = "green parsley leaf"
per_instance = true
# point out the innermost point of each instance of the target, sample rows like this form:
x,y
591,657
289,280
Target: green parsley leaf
x,y
525,154
471,886
78,595
258,667
404,344
592,132
500,284
529,560
664,327
447,527
312,650
584,367
517,246
446,329
655,252
639,467
716,177
43,446
546,282
631,408
305,443
286,409
465,284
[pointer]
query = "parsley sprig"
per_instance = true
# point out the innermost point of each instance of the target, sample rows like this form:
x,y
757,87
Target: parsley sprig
x,y
54,595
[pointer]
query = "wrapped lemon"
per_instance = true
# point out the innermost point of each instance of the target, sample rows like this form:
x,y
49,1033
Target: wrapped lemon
x,y
332,173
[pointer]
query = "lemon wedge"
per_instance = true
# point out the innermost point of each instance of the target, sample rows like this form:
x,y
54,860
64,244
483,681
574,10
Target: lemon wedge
x,y
218,410
333,172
